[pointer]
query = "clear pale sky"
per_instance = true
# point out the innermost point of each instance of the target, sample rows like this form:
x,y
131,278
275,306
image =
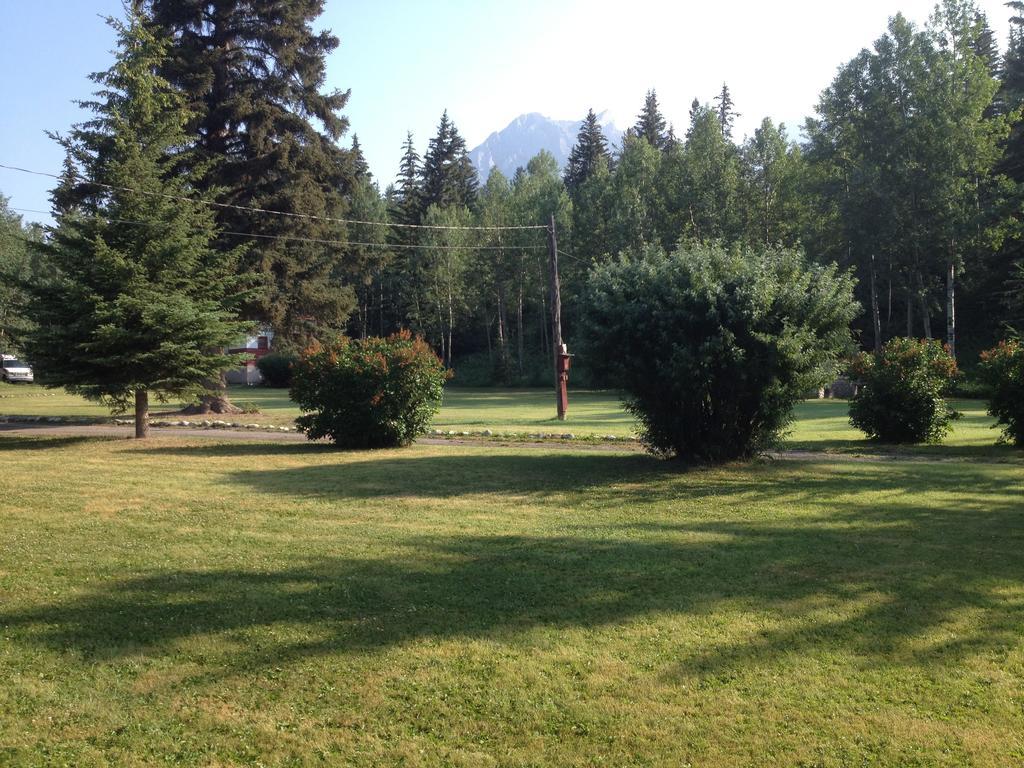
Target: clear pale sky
x,y
486,61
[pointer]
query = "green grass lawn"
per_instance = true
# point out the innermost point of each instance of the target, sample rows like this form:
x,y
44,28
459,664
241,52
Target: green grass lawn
x,y
820,425
824,425
533,410
207,603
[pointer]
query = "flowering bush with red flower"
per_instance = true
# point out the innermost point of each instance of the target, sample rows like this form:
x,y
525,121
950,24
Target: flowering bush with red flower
x,y
369,393
1002,369
903,397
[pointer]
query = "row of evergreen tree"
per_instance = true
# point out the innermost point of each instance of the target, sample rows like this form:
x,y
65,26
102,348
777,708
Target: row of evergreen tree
x,y
910,174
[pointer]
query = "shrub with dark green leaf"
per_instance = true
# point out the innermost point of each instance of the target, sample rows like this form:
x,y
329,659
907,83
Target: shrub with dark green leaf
x,y
903,394
276,369
713,348
1002,369
369,393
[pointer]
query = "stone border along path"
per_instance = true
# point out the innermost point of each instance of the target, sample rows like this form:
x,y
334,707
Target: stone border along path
x,y
106,429
99,421
270,428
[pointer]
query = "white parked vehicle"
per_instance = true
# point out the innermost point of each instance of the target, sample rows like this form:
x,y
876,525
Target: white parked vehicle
x,y
14,370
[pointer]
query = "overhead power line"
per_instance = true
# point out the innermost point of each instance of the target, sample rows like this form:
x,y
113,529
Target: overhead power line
x,y
577,259
308,216
318,241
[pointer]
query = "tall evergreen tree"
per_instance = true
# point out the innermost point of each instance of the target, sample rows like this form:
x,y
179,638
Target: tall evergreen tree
x,y
360,168
695,108
266,135
590,150
448,176
408,189
591,211
1011,93
368,255
20,264
651,124
396,282
727,113
985,45
671,140
136,295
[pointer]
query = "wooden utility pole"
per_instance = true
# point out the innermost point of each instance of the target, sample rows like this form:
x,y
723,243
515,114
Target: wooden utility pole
x,y
561,354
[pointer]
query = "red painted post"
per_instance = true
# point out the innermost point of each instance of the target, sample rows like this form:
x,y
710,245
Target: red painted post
x,y
564,361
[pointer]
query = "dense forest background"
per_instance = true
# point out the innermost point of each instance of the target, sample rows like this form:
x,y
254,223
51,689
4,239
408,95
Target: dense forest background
x,y
910,174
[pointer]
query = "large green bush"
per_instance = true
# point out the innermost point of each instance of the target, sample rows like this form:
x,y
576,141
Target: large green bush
x,y
713,347
369,393
903,394
276,369
1002,369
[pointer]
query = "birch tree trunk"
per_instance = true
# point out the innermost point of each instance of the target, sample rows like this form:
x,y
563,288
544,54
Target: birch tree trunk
x,y
503,356
519,328
451,321
926,315
875,316
910,311
951,306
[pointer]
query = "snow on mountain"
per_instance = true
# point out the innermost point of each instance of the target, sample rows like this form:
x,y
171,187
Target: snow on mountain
x,y
527,135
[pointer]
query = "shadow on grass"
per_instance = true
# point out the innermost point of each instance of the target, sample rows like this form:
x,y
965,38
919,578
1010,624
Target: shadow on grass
x,y
601,479
534,472
23,443
888,575
243,449
386,473
864,447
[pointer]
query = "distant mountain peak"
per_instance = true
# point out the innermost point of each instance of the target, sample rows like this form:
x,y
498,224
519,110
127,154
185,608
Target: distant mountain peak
x,y
519,141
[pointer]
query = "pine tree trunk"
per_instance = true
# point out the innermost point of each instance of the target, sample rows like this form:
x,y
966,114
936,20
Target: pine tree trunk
x,y
141,414
216,401
219,403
